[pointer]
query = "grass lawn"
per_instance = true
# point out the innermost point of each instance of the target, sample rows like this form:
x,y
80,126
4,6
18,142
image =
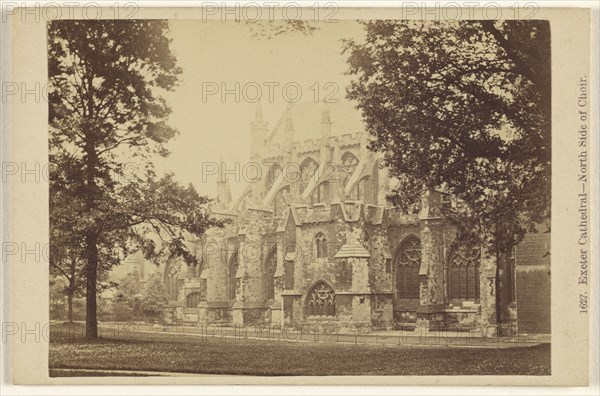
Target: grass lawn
x,y
87,373
180,353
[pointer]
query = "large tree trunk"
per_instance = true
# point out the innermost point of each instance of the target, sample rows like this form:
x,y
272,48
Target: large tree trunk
x,y
91,272
71,292
91,239
70,307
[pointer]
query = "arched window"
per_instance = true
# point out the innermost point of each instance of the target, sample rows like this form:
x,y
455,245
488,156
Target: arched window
x,y
270,267
374,198
463,271
320,300
408,262
307,171
359,192
320,246
192,300
172,282
321,193
347,167
233,267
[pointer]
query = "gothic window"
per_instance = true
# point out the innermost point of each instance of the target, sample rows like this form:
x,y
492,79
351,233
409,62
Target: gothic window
x,y
307,172
321,300
374,196
347,168
321,193
270,267
279,204
192,300
463,271
358,192
172,283
274,172
408,262
233,267
320,246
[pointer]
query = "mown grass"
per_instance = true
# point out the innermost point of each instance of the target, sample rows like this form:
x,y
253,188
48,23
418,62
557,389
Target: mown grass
x,y
180,353
86,373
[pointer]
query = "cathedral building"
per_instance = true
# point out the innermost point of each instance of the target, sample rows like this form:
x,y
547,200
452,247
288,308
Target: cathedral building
x,y
312,239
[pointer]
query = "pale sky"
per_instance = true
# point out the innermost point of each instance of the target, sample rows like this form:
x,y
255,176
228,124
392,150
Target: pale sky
x,y
215,53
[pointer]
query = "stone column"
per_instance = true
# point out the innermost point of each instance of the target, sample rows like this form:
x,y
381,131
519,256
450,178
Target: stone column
x,y
203,305
337,189
250,304
358,257
237,310
277,305
432,265
215,275
487,293
361,300
431,274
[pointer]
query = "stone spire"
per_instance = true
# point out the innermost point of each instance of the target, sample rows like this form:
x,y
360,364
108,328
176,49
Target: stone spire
x,y
289,125
258,114
325,151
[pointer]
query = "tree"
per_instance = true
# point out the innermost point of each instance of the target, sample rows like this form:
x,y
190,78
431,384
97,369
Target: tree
x,y
56,298
67,265
464,107
271,29
66,249
128,298
154,298
105,111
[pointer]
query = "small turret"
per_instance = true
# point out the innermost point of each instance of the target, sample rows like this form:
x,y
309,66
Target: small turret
x,y
289,125
258,131
223,190
325,124
325,154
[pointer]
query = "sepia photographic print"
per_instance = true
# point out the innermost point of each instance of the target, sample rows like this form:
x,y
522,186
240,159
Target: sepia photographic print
x,y
241,196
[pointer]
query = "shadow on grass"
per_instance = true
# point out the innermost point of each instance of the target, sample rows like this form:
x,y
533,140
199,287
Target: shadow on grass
x,y
189,354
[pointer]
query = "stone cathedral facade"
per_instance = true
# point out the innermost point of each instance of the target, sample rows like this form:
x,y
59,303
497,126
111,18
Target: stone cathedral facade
x,y
312,239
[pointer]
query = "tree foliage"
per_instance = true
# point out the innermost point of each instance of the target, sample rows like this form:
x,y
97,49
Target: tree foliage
x,y
127,301
107,119
271,29
154,298
464,107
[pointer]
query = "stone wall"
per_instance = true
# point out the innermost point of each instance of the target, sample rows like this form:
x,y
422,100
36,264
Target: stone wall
x,y
365,283
533,292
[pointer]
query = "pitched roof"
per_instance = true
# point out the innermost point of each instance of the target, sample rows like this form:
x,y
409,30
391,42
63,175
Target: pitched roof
x,y
352,249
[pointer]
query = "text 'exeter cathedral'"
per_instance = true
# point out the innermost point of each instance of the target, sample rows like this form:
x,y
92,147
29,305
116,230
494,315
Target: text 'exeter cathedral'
x,y
314,240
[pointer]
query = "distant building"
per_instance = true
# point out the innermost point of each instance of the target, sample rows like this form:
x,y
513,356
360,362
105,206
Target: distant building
x,y
134,266
314,240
